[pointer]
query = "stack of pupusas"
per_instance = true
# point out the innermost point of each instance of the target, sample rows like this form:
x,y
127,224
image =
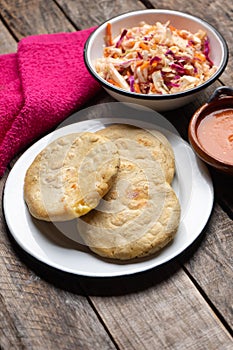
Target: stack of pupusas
x,y
117,181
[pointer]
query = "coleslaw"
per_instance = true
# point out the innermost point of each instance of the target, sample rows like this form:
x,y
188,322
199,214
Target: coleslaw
x,y
155,59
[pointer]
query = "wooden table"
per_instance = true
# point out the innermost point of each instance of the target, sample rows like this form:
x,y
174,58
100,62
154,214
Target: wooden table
x,y
183,304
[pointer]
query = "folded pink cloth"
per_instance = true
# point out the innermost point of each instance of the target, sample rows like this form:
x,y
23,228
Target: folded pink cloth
x,y
41,85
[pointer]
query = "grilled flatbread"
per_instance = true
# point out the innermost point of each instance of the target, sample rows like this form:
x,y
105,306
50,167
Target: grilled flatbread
x,y
153,140
70,176
139,215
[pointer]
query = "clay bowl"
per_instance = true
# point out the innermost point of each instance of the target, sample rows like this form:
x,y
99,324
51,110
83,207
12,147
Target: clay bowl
x,y
210,130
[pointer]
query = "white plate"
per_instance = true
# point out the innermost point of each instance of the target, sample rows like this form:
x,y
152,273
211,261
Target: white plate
x,y
43,241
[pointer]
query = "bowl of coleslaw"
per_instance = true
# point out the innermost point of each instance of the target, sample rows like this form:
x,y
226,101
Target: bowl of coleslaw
x,y
161,59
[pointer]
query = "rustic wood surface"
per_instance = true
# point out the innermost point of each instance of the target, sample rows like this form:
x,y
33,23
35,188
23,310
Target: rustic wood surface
x,y
184,304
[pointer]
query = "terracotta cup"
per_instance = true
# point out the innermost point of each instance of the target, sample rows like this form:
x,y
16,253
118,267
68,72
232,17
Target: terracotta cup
x,y
221,99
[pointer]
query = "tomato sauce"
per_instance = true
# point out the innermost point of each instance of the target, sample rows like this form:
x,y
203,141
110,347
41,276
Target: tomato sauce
x,y
215,134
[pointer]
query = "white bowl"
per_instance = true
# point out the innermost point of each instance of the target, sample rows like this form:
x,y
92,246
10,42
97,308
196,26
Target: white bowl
x,y
95,44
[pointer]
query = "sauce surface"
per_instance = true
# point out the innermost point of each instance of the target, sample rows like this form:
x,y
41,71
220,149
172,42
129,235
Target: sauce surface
x,y
215,134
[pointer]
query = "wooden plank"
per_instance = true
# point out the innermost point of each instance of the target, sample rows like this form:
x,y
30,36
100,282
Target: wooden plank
x,y
7,42
34,17
217,13
37,315
142,318
223,185
168,314
210,263
34,314
98,11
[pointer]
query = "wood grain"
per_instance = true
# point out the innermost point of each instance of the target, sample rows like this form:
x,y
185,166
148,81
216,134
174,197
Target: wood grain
x,y
185,304
7,42
211,265
29,17
36,315
223,185
168,315
98,11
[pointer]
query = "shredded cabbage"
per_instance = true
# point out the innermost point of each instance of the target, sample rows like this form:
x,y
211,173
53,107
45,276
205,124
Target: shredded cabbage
x,y
156,59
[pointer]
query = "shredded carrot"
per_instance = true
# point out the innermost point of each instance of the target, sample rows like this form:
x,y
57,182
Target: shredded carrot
x,y
154,64
107,52
153,89
173,29
108,37
138,63
200,56
144,46
182,34
137,88
113,82
152,69
130,55
130,44
144,65
148,31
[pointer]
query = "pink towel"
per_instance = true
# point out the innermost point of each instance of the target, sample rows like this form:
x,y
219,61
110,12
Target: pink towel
x,y
41,85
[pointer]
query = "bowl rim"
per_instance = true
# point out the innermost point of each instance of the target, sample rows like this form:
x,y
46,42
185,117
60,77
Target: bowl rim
x,y
157,96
